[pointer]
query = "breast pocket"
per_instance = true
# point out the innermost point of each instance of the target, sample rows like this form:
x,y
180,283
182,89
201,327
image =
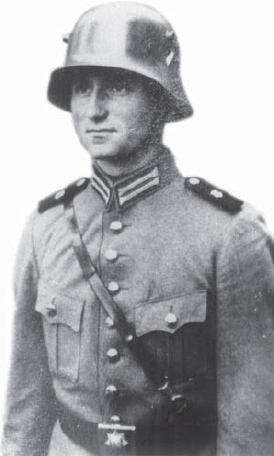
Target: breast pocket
x,y
62,316
172,337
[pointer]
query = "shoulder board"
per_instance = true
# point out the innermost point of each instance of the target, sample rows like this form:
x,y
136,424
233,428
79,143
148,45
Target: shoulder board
x,y
218,197
61,196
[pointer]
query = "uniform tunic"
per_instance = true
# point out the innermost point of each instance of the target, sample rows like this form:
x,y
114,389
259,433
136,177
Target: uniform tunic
x,y
195,280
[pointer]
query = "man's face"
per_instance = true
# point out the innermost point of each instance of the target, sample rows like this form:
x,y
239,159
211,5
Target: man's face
x,y
113,112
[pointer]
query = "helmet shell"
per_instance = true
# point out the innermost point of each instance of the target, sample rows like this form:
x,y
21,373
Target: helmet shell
x,y
128,36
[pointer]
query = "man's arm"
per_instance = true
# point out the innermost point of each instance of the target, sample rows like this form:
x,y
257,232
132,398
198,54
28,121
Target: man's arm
x,y
30,413
245,341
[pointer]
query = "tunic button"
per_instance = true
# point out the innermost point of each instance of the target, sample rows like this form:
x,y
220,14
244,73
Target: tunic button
x,y
116,226
111,255
115,419
109,323
113,354
129,338
171,319
113,287
110,390
52,311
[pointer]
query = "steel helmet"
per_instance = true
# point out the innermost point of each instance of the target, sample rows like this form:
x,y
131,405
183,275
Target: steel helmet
x,y
128,36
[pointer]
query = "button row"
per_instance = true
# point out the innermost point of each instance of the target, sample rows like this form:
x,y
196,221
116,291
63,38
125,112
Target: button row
x,y
113,287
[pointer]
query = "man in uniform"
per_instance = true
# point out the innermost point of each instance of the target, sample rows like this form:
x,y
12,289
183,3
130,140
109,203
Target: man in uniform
x,y
144,318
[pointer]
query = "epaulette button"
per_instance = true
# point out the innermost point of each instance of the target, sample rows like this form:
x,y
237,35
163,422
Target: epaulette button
x,y
80,182
59,194
216,193
194,181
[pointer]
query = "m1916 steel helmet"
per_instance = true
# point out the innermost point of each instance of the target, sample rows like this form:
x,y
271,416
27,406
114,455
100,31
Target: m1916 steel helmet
x,y
128,36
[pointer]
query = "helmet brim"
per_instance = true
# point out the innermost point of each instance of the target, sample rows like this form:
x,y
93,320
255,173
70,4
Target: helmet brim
x,y
62,79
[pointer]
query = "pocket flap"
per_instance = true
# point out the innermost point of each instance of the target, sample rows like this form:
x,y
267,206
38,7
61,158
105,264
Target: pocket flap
x,y
171,314
59,308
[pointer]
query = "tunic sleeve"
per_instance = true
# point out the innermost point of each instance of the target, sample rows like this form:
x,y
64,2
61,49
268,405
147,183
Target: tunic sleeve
x,y
30,411
245,340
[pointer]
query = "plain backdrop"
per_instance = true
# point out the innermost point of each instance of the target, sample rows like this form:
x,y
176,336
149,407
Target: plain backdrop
x,y
227,69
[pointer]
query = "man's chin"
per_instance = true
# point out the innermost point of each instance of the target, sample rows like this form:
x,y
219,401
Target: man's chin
x,y
107,155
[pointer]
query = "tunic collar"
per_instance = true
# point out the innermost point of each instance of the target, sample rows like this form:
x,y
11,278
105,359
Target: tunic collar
x,y
128,189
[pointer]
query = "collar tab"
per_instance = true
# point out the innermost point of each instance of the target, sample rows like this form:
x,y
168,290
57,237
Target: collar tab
x,y
125,191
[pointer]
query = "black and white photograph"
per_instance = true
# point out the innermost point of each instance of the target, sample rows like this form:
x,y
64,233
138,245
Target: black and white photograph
x,y
137,228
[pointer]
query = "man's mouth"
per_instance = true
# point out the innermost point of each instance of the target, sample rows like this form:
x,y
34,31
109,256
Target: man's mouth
x,y
100,130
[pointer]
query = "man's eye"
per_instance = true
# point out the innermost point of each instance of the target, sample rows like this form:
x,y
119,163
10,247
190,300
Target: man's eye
x,y
80,88
119,89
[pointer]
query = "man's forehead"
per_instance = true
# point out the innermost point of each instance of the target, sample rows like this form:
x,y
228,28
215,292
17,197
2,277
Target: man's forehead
x,y
109,74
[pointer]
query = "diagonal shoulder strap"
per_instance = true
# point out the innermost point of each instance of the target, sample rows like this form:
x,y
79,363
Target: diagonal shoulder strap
x,y
142,356
94,280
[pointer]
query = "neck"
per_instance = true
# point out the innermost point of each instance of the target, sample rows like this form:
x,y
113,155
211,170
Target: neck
x,y
127,163
118,167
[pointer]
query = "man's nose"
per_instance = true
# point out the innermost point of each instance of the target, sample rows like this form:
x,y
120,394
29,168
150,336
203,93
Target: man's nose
x,y
97,105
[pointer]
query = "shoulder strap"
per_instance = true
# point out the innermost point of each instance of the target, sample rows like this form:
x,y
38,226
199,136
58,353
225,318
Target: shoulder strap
x,y
94,280
61,196
127,333
218,197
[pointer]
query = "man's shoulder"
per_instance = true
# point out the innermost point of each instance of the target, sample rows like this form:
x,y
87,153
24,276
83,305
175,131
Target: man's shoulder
x,y
220,213
217,197
63,195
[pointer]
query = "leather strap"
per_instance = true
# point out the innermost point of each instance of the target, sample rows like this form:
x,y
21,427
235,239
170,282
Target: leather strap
x,y
184,436
94,280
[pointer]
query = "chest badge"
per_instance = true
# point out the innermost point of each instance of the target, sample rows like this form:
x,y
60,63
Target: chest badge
x,y
116,439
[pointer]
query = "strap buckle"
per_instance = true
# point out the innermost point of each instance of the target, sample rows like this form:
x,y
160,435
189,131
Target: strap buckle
x,y
116,438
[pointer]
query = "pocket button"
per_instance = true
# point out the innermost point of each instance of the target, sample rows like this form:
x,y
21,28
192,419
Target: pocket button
x,y
51,310
171,319
109,322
